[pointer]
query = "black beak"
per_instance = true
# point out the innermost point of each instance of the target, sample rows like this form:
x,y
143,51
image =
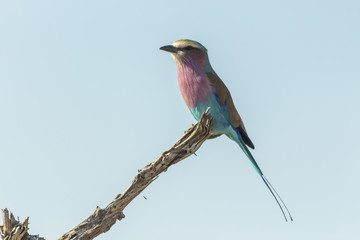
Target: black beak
x,y
169,48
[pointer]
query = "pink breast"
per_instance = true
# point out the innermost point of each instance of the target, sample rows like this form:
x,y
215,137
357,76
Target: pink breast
x,y
194,85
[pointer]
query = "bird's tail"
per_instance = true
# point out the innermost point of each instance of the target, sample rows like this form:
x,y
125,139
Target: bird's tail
x,y
277,197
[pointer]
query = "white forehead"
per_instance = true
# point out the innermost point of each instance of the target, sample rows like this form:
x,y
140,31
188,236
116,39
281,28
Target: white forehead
x,y
186,42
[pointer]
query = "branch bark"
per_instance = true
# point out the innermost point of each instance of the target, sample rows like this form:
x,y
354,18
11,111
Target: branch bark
x,y
13,229
104,218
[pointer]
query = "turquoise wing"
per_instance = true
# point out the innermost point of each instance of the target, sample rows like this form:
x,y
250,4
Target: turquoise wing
x,y
227,106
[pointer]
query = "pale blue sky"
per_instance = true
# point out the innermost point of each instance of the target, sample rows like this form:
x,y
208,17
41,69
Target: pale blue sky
x,y
87,98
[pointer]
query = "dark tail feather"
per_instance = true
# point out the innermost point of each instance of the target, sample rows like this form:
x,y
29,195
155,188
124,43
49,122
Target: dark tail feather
x,y
267,183
245,137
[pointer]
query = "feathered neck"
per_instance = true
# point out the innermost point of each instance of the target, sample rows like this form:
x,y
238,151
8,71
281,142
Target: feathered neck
x,y
193,82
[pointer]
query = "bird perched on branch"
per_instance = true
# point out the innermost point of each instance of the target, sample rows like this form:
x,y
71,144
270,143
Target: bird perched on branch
x,y
201,88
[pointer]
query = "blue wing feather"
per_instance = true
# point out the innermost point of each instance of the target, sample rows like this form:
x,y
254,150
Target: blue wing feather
x,y
226,113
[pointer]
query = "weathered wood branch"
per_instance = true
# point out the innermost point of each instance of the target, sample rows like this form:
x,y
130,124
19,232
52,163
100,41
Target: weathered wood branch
x,y
13,229
104,218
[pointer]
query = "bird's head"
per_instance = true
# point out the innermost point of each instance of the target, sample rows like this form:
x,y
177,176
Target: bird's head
x,y
188,52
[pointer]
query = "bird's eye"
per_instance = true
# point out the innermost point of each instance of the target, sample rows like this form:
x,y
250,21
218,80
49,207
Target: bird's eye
x,y
188,48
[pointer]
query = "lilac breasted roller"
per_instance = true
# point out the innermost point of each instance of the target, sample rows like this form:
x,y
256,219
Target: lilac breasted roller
x,y
201,88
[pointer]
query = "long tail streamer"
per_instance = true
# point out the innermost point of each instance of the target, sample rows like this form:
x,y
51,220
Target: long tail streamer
x,y
267,183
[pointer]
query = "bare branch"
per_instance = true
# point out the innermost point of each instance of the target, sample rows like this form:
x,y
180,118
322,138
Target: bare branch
x,y
12,229
104,218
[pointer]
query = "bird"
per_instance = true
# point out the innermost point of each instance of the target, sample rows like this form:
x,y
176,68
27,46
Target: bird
x,y
201,88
